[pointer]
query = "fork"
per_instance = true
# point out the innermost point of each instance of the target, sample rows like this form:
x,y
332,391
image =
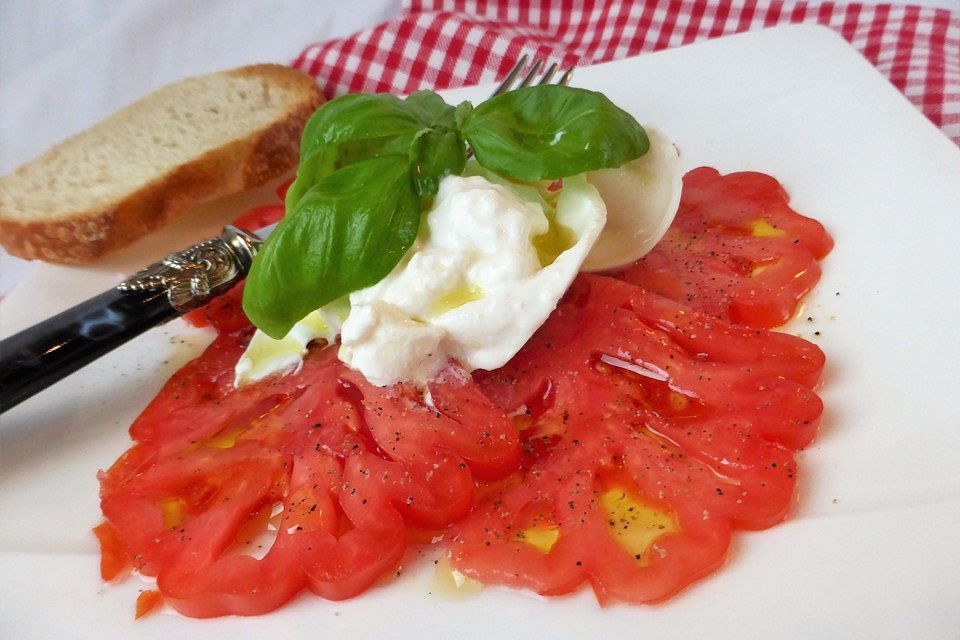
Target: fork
x,y
507,83
35,358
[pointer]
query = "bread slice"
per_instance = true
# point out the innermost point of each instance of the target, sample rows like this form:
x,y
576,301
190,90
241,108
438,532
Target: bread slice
x,y
197,139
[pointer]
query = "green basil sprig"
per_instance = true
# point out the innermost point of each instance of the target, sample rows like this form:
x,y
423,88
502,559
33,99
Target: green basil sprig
x,y
359,126
434,155
369,161
311,258
552,131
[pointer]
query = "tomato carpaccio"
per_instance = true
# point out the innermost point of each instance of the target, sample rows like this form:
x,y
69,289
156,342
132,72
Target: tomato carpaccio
x,y
736,250
619,448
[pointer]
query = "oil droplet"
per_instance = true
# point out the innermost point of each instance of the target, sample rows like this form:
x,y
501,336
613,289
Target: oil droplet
x,y
555,241
172,510
449,583
264,352
678,401
635,523
456,298
543,537
521,422
762,229
224,439
315,322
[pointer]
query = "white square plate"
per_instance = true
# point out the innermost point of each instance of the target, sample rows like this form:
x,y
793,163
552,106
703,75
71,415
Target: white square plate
x,y
870,550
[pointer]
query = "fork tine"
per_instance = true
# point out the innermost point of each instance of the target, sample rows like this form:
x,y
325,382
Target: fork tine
x,y
534,70
507,83
548,74
504,86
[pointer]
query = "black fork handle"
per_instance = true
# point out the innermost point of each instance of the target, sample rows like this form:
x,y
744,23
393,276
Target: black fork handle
x,y
35,358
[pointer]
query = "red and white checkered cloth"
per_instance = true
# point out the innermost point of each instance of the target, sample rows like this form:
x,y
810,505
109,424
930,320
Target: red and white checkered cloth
x,y
450,43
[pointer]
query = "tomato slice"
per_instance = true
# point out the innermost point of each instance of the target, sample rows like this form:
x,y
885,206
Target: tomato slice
x,y
620,447
736,250
113,559
349,466
224,313
148,602
259,217
650,431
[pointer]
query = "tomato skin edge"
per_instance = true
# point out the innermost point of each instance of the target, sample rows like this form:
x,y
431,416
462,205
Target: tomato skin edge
x,y
148,602
114,561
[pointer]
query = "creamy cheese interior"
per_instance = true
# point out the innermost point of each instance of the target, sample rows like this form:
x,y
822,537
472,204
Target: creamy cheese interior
x,y
489,267
266,356
491,261
642,198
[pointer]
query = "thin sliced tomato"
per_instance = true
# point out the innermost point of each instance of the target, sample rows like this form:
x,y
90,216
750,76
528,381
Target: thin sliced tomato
x,y
113,559
350,467
736,250
621,447
650,431
224,313
259,217
148,602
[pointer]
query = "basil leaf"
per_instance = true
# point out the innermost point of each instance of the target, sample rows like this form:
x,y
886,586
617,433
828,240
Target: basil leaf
x,y
334,157
357,116
434,155
430,109
552,131
348,129
461,113
347,232
356,127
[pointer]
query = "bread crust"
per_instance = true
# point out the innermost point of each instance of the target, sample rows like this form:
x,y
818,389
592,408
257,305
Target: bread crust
x,y
83,236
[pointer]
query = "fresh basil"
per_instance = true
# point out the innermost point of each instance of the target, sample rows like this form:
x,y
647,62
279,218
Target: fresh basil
x,y
434,155
368,162
334,157
347,232
552,131
461,113
357,116
356,127
431,109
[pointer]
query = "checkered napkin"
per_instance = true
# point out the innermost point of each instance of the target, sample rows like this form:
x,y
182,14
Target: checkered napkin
x,y
450,43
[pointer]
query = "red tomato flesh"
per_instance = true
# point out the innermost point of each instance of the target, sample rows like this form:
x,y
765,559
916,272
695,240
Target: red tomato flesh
x,y
259,217
736,250
148,602
352,465
113,559
619,448
690,419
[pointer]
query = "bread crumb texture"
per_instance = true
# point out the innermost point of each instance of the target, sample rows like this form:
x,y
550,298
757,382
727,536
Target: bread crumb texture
x,y
200,138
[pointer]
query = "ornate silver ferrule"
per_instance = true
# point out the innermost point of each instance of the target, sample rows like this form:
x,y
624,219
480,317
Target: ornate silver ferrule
x,y
194,276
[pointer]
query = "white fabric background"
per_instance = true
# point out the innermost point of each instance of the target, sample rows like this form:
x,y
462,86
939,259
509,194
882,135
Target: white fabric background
x,y
65,64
